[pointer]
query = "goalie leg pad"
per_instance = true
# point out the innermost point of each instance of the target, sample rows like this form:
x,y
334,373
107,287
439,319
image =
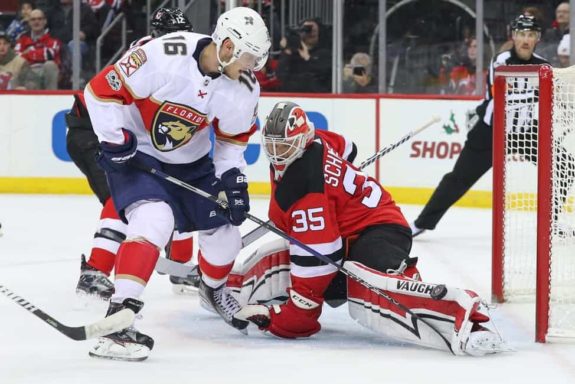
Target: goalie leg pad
x,y
264,276
455,315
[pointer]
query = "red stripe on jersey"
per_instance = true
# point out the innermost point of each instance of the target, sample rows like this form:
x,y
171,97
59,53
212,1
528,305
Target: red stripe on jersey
x,y
214,272
240,139
101,88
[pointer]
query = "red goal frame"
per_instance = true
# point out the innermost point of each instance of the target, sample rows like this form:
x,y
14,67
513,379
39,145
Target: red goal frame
x,y
544,189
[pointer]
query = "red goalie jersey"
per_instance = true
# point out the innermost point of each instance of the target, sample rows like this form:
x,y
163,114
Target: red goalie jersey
x,y
322,200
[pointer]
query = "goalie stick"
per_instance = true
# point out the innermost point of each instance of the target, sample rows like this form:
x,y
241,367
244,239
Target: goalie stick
x,y
325,259
110,324
173,268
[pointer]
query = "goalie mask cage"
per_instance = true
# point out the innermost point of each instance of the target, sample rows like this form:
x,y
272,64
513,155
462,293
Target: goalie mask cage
x,y
533,199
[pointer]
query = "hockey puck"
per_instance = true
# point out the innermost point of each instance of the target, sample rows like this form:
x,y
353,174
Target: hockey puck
x,y
438,292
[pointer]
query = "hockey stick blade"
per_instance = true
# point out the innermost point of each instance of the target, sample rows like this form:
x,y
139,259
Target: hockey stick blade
x,y
173,268
282,234
110,324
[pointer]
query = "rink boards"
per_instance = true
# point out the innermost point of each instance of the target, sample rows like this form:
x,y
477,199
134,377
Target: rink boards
x,y
33,157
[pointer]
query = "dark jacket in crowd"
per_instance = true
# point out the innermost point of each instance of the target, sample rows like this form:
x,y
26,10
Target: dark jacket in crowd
x,y
61,27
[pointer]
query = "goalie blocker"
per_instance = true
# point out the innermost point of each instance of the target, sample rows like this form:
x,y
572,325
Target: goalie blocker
x,y
264,278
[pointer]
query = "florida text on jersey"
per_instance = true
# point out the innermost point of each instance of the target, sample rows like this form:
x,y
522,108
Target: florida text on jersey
x,y
159,92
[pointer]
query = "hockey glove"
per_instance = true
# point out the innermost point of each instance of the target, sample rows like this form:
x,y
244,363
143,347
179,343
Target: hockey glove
x,y
234,186
114,157
298,317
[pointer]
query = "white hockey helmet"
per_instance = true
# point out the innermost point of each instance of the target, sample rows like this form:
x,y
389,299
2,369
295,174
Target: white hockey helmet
x,y
247,30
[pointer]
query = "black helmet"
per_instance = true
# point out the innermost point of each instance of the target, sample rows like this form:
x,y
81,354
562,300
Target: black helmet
x,y
525,23
166,20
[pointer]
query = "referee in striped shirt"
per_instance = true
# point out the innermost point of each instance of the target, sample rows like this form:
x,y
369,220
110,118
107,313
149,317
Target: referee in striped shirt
x,y
476,156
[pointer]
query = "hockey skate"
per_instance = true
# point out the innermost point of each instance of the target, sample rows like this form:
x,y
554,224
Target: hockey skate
x,y
483,342
186,285
128,344
94,282
221,301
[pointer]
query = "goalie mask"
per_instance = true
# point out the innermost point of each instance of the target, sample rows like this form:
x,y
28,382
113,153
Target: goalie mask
x,y
247,30
286,135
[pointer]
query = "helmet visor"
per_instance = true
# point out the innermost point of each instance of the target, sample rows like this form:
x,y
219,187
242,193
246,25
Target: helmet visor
x,y
251,61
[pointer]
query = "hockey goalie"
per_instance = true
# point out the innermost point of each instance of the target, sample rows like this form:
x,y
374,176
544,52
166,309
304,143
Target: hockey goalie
x,y
326,203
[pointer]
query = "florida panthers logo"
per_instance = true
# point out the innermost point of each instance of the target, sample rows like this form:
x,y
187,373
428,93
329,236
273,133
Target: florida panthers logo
x,y
174,125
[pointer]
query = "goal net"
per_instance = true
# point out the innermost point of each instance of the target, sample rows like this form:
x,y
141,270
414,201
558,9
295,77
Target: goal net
x,y
533,195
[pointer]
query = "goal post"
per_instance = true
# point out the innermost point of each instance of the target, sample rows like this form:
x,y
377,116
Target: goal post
x,y
533,254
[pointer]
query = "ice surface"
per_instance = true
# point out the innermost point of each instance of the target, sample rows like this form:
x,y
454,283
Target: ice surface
x,y
40,260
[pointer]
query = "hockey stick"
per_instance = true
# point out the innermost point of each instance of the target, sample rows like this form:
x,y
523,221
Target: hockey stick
x,y
260,231
110,324
325,259
391,147
181,270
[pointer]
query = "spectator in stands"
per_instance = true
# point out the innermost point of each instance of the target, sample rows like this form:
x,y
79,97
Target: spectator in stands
x,y
463,79
103,11
475,159
357,75
560,25
41,51
563,51
12,66
305,60
19,25
61,27
552,37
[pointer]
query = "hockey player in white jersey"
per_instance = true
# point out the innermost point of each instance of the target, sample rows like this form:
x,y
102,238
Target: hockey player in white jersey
x,y
153,108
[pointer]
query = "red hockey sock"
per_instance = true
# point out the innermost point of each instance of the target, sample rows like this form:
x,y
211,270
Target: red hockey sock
x,y
101,258
136,261
182,250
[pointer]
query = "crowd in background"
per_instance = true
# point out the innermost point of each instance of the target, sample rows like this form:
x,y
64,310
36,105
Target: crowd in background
x,y
431,45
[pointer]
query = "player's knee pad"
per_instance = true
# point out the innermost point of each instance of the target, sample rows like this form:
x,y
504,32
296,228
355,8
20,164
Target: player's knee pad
x,y
451,311
150,220
264,276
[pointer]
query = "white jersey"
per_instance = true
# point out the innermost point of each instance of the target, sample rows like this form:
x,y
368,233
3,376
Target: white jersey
x,y
158,92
